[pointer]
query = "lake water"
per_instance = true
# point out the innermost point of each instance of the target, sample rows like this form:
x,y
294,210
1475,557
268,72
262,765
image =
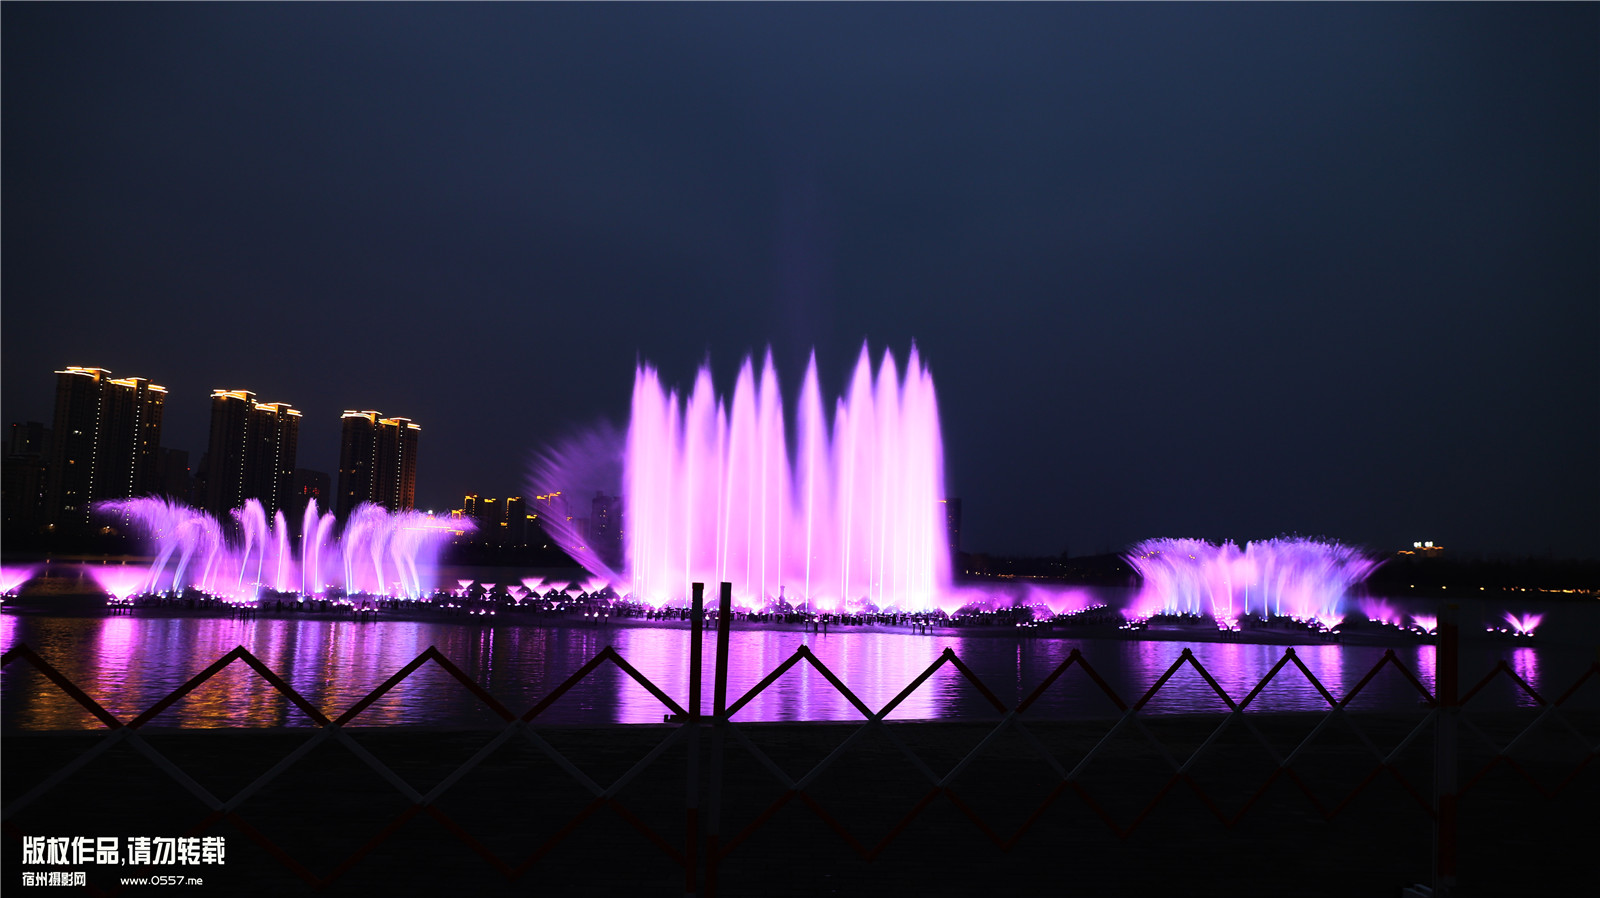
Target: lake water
x,y
130,663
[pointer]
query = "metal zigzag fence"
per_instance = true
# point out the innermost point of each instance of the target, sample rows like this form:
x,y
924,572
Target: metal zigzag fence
x,y
706,840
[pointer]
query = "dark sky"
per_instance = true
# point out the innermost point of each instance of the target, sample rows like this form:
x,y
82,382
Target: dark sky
x,y
1178,270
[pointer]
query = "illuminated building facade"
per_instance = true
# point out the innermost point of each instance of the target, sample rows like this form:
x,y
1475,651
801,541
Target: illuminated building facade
x,y
251,454
106,442
377,462
502,523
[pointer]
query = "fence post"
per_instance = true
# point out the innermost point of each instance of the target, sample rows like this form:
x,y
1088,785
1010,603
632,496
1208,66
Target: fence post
x,y
1447,683
724,615
697,622
720,700
691,848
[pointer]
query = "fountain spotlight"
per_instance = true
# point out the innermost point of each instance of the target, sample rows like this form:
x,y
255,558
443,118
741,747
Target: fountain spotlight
x,y
12,577
120,582
1379,612
1523,625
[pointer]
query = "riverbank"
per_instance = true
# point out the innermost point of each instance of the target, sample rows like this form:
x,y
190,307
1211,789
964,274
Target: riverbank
x,y
330,803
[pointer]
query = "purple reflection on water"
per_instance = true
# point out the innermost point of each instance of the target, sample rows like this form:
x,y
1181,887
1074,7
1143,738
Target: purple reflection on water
x,y
1525,664
130,663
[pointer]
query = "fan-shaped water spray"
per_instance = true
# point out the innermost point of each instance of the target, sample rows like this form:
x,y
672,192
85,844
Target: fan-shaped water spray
x,y
13,576
120,582
1523,624
1305,579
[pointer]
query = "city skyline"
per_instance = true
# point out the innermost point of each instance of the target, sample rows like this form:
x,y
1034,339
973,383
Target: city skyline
x,y
111,447
1210,271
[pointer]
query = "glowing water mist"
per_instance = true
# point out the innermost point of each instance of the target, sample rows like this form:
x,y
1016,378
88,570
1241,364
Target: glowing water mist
x,y
1306,579
843,516
380,553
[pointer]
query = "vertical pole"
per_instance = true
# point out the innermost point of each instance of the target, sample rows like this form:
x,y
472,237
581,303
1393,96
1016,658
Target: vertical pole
x,y
691,853
697,620
724,615
720,698
1447,682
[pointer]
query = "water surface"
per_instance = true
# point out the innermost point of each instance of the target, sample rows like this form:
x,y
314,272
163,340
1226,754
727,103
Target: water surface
x,y
130,663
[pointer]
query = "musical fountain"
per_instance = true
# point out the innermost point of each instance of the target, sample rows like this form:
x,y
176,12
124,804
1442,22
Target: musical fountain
x,y
379,553
831,514
1300,579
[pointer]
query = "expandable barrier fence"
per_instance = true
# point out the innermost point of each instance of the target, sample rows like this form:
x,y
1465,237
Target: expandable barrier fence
x,y
706,840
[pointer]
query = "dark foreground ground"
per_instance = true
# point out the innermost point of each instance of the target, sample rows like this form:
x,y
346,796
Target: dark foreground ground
x,y
330,803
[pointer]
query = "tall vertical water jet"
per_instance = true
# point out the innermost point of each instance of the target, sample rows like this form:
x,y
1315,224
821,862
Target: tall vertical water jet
x,y
712,491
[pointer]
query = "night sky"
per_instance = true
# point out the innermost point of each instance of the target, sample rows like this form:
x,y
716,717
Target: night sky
x,y
1211,271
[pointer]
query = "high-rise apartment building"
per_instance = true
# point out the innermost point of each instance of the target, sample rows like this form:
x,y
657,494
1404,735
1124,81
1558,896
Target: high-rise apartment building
x,y
251,453
952,526
25,481
175,480
106,442
491,521
311,486
377,462
516,535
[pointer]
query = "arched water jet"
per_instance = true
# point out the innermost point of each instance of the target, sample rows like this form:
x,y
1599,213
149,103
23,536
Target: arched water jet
x,y
375,541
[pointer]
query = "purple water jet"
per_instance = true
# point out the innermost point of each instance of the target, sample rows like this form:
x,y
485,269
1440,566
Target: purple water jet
x,y
13,576
847,515
843,512
1381,612
380,553
1524,624
1304,579
120,582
